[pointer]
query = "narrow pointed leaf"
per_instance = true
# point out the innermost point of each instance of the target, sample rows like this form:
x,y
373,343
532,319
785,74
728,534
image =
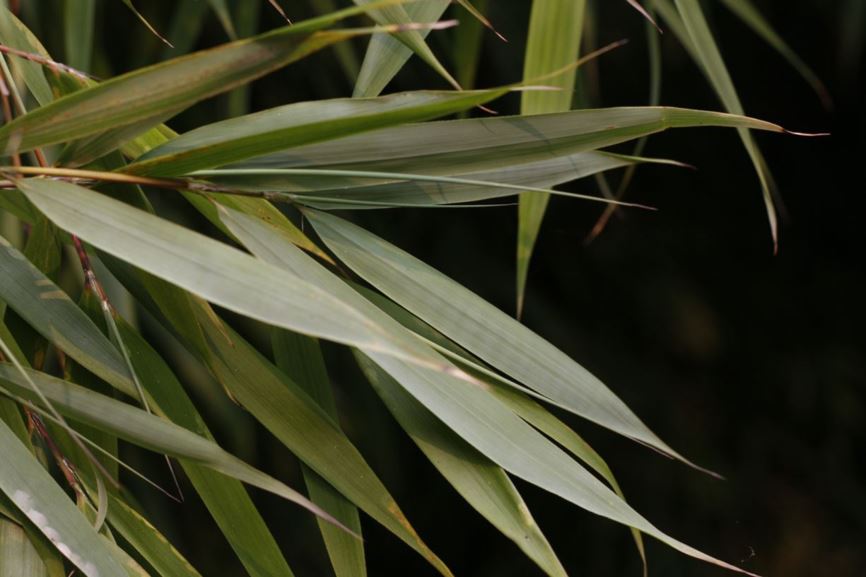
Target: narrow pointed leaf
x,y
553,41
297,124
44,503
146,430
386,55
78,33
484,485
18,556
300,357
169,87
465,407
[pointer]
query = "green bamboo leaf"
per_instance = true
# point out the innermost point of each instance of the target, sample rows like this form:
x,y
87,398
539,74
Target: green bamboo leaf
x,y
169,87
208,268
225,498
144,429
481,328
465,407
224,15
15,34
335,189
44,503
300,357
18,556
281,407
553,41
708,57
749,14
297,124
185,28
421,12
386,55
480,144
78,33
484,485
147,540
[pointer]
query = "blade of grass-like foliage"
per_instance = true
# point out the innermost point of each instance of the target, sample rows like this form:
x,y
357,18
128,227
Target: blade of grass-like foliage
x,y
284,409
225,498
484,485
221,9
18,556
185,27
481,328
78,33
247,17
146,430
553,41
465,407
300,357
531,411
468,39
171,86
477,144
40,499
297,124
48,309
15,34
749,14
386,55
213,270
710,61
344,189
420,12
148,541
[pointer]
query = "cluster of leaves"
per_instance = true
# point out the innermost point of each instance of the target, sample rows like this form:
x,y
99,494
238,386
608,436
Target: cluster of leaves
x,y
467,382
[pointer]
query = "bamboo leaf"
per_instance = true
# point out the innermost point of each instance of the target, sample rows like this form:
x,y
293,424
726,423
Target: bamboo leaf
x,y
555,28
710,60
78,20
484,485
300,357
386,55
422,12
18,556
146,430
749,14
168,87
292,125
465,406
479,144
44,503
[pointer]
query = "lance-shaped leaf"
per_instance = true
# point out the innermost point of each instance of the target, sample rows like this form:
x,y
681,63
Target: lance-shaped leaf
x,y
466,407
386,55
169,87
300,357
484,485
18,556
702,46
144,429
481,328
413,39
334,189
749,14
297,124
265,392
479,144
553,41
29,486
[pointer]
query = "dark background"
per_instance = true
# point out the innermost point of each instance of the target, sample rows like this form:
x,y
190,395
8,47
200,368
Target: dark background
x,y
751,364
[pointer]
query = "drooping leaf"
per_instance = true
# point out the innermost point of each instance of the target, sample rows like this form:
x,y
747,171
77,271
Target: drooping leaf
x,y
553,41
386,55
300,357
43,502
167,88
484,485
292,125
